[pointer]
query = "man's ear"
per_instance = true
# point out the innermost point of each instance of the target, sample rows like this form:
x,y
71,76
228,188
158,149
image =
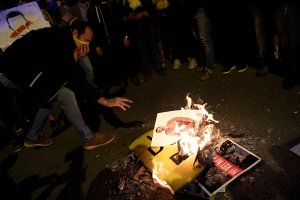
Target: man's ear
x,y
75,33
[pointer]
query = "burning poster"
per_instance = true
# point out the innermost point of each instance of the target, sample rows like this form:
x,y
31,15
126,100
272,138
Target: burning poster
x,y
169,126
186,145
168,167
170,151
18,21
230,160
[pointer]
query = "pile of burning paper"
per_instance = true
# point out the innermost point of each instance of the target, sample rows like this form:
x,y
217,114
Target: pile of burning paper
x,y
185,146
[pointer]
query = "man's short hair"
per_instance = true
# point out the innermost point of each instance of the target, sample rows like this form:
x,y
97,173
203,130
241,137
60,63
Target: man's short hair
x,y
79,26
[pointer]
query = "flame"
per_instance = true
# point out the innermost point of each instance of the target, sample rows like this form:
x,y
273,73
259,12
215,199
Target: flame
x,y
197,138
188,144
205,141
193,139
159,170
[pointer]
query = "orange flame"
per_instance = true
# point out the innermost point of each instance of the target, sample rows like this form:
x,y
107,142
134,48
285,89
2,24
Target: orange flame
x,y
193,139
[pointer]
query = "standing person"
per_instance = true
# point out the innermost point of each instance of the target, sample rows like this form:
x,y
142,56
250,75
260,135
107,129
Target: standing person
x,y
203,32
162,16
292,74
80,12
234,37
140,33
183,43
265,17
50,77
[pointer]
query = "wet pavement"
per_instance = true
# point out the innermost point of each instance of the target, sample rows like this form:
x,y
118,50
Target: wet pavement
x,y
254,112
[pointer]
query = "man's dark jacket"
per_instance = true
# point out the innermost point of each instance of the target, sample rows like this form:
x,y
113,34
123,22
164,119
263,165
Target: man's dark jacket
x,y
42,62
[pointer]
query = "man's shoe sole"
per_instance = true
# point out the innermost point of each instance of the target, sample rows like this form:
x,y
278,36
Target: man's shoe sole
x,y
99,145
242,70
227,72
36,145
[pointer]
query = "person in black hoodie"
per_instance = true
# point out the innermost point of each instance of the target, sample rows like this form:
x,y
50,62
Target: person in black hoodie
x,y
43,65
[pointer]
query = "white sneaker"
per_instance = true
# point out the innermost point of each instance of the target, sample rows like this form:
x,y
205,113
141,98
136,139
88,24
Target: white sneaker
x,y
192,63
177,64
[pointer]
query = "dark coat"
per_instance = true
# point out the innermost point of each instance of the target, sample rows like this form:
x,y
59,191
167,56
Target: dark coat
x,y
41,63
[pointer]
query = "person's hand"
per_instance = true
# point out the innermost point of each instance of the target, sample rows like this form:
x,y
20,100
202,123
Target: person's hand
x,y
83,50
99,51
126,41
120,102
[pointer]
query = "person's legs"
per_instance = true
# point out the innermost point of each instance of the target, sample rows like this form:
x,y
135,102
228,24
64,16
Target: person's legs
x,y
293,22
39,120
292,72
87,66
153,52
33,138
264,27
204,31
141,47
67,101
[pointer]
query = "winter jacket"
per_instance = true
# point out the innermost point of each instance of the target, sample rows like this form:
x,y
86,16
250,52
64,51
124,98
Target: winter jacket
x,y
42,62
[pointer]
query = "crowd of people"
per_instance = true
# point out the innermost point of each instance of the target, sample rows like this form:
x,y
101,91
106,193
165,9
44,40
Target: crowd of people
x,y
111,41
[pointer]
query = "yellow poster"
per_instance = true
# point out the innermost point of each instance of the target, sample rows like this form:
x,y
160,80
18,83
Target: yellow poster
x,y
165,162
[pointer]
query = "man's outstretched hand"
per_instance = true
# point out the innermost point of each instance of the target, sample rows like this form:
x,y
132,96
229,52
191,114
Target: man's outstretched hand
x,y
120,102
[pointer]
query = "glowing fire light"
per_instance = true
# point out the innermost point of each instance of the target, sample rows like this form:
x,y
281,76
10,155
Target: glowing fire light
x,y
193,138
188,144
158,170
204,126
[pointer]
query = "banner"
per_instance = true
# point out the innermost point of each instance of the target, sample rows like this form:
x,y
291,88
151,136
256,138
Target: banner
x,y
165,163
230,160
18,21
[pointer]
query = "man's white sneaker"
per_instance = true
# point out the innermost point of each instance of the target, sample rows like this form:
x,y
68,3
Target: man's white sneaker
x,y
177,64
192,63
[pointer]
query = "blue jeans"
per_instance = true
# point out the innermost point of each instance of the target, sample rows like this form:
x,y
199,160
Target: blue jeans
x,y
87,66
67,101
264,27
204,33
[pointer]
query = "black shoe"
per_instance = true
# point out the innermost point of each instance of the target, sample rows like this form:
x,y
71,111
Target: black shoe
x,y
262,72
227,70
147,76
136,81
17,146
161,73
17,143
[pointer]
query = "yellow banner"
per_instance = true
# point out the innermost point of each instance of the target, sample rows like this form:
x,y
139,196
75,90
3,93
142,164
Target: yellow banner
x,y
165,162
